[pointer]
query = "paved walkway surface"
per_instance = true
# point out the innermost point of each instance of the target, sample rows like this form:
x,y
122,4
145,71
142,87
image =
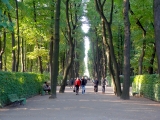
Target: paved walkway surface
x,y
90,106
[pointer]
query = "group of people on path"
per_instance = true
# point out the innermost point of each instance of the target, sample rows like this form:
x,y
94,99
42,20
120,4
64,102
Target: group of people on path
x,y
77,83
104,82
80,83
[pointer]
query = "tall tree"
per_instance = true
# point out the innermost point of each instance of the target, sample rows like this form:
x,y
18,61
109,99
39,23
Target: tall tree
x,y
156,10
107,52
18,37
39,46
126,71
72,10
55,56
141,58
100,9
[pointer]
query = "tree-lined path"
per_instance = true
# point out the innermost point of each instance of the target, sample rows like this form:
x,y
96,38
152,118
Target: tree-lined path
x,y
90,106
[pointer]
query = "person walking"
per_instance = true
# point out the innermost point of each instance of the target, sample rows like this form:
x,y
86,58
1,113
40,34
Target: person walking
x,y
103,83
71,83
96,85
83,84
77,83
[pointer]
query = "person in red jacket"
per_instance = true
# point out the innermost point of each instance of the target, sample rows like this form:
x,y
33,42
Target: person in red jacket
x,y
77,83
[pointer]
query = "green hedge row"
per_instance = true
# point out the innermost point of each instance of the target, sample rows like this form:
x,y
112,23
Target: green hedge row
x,y
147,85
23,84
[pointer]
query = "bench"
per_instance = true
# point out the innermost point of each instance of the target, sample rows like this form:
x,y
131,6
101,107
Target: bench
x,y
45,92
13,98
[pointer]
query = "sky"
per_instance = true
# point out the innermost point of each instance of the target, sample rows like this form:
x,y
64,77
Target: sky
x,y
85,27
86,42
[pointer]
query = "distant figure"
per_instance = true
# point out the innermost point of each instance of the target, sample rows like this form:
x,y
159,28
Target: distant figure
x,y
83,84
46,87
71,83
95,83
77,83
103,83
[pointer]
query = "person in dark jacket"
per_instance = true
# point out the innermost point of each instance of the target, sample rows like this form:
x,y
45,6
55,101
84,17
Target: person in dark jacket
x,y
96,85
46,87
83,84
103,83
71,83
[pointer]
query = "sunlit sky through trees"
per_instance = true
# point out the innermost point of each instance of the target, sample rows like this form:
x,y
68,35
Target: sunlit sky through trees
x,y
85,28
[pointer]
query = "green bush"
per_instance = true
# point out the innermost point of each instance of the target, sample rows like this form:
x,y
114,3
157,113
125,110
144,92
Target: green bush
x,y
23,84
122,79
148,86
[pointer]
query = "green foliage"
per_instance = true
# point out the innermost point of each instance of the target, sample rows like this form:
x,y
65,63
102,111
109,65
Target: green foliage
x,y
148,86
4,22
23,84
122,79
6,3
143,11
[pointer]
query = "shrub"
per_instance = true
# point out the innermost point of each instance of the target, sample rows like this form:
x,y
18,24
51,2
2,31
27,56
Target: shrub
x,y
23,84
147,85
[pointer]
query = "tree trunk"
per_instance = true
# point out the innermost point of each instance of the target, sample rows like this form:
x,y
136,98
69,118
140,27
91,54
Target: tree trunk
x,y
141,58
94,60
2,48
5,62
156,7
40,64
120,50
143,47
109,64
97,59
104,64
51,51
150,69
31,65
67,68
13,45
22,57
126,72
55,55
18,38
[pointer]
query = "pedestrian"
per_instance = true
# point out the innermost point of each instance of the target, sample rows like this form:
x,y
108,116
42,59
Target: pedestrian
x,y
103,83
83,84
96,85
77,83
71,83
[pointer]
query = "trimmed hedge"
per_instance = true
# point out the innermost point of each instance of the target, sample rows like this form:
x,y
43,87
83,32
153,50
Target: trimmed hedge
x,y
23,84
147,85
